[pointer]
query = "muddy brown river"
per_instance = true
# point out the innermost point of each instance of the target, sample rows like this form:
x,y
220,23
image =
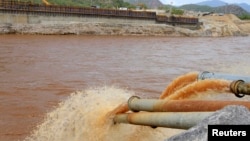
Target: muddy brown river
x,y
38,72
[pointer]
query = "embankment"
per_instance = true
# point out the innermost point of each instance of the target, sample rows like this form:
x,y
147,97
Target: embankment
x,y
213,26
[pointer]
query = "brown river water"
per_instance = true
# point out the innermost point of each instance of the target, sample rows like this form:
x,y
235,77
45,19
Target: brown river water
x,y
61,88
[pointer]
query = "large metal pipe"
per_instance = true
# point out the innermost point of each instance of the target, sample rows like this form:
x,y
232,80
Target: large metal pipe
x,y
240,88
212,75
179,120
158,105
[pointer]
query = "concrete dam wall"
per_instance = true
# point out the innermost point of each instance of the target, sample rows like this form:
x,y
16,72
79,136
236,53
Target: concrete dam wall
x,y
36,14
29,18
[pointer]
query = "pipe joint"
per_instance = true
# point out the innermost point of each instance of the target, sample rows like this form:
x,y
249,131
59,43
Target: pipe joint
x,y
234,87
130,101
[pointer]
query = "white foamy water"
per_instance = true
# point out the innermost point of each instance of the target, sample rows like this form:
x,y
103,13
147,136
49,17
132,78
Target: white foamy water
x,y
83,117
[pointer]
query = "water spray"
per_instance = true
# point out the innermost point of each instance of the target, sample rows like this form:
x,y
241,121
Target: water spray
x,y
240,85
183,113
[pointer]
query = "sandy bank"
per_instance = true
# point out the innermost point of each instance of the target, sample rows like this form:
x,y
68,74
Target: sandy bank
x,y
213,26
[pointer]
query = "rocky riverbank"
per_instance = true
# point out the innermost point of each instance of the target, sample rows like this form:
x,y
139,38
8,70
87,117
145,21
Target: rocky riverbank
x,y
229,115
213,26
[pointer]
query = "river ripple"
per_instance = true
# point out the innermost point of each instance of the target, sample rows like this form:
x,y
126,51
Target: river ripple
x,y
37,71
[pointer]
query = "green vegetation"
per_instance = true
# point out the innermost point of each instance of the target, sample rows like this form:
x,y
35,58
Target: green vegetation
x,y
193,7
245,17
232,9
174,10
86,3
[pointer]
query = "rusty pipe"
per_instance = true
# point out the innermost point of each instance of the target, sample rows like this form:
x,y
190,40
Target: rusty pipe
x,y
179,120
240,88
158,105
211,75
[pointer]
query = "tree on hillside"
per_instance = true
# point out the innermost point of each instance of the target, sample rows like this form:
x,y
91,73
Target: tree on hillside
x,y
176,11
142,5
245,17
86,3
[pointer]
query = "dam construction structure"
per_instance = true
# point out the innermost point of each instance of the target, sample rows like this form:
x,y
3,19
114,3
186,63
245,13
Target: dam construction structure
x,y
13,11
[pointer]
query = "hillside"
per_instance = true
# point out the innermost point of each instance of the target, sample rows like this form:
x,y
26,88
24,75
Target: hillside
x,y
149,3
103,3
212,3
197,8
218,3
245,6
233,9
85,3
228,9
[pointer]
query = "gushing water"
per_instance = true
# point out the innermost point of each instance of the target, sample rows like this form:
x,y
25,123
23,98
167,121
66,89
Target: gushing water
x,y
195,89
178,83
88,116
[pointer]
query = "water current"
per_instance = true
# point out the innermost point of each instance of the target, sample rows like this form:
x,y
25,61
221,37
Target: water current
x,y
65,88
